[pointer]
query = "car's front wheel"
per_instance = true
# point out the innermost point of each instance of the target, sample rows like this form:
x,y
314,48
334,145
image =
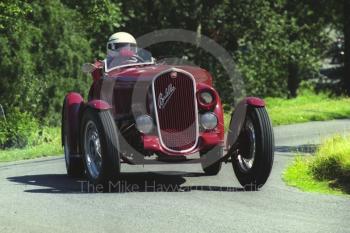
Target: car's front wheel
x,y
211,160
253,157
100,146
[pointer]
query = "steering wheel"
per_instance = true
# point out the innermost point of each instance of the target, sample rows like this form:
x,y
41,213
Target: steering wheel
x,y
137,57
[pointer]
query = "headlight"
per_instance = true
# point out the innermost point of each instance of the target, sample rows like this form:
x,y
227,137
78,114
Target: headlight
x,y
206,97
144,123
209,120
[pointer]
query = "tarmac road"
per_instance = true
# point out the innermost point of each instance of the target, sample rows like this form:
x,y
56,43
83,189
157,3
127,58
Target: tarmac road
x,y
37,196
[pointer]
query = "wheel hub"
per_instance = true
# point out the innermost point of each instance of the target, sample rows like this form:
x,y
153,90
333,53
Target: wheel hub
x,y
247,147
92,148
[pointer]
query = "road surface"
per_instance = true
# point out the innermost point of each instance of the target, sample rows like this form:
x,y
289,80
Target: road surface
x,y
37,196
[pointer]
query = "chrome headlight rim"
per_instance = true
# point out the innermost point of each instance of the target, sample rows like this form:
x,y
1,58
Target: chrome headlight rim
x,y
205,105
209,121
206,97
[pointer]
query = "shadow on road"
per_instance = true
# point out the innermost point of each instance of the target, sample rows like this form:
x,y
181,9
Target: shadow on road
x,y
129,182
307,148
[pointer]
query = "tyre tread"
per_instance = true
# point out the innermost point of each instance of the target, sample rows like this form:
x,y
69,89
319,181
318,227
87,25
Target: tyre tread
x,y
109,142
263,164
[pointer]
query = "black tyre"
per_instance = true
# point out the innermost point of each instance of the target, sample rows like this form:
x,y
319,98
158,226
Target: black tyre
x,y
210,160
253,157
74,163
100,146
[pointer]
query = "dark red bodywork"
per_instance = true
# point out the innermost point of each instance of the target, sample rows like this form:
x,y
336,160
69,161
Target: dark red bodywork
x,y
126,92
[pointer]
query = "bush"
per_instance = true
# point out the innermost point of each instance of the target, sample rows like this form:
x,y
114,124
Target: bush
x,y
51,135
18,130
332,159
326,171
326,168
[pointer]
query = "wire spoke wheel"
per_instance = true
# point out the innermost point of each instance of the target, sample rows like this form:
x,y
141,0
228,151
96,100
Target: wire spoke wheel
x,y
100,146
92,146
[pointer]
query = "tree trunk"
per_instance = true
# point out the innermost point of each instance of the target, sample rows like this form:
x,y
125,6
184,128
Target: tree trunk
x,y
346,77
293,79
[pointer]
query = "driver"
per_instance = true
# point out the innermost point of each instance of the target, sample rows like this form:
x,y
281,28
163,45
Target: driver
x,y
121,48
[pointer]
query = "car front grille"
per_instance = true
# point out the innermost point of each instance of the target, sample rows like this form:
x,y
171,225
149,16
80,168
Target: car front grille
x,y
176,110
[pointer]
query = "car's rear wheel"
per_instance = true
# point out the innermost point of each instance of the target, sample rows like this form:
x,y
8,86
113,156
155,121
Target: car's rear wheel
x,y
210,160
74,163
100,146
253,157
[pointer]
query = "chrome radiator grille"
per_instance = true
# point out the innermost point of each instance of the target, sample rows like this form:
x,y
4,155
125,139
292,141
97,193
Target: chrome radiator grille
x,y
176,110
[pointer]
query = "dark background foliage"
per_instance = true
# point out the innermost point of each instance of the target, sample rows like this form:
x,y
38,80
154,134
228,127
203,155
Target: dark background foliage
x,y
275,44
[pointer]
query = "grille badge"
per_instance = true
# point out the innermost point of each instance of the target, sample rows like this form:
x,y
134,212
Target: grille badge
x,y
173,74
163,99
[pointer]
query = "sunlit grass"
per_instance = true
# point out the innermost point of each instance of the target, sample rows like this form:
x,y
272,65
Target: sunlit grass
x,y
308,106
327,171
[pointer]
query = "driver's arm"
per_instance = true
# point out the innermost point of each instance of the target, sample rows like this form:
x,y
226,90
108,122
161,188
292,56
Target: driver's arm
x,y
98,72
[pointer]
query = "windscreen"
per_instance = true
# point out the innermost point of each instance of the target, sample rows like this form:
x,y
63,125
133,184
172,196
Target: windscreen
x,y
124,57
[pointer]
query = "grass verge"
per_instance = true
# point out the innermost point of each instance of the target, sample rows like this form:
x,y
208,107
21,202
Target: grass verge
x,y
308,106
326,171
48,144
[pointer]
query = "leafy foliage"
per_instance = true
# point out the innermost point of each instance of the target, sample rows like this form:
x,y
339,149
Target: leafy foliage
x,y
43,44
11,11
19,130
99,19
51,147
41,59
273,43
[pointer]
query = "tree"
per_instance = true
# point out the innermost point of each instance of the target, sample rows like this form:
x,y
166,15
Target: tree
x,y
346,29
272,44
99,19
41,59
335,15
11,12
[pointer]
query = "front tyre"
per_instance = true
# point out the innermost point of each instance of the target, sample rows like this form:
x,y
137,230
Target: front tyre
x,y
211,160
100,146
74,163
253,157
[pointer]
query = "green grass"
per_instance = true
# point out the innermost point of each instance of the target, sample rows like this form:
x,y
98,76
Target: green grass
x,y
49,144
326,171
308,106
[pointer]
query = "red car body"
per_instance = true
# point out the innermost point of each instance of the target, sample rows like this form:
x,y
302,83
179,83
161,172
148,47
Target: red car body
x,y
127,81
138,110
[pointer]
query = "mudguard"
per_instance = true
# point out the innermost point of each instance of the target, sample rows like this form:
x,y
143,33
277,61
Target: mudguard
x,y
99,105
72,106
238,117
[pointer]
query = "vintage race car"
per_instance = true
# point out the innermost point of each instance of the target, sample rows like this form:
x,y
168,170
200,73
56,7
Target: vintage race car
x,y
139,111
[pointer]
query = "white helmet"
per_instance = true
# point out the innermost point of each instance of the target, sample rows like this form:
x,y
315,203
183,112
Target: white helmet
x,y
119,40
